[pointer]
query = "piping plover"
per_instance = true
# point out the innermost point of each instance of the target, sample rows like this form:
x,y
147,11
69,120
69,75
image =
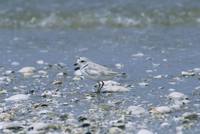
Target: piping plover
x,y
94,71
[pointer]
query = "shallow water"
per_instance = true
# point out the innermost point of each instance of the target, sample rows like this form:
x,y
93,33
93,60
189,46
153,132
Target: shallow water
x,y
166,33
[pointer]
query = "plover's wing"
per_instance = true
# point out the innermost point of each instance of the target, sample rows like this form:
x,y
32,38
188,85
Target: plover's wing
x,y
92,72
102,69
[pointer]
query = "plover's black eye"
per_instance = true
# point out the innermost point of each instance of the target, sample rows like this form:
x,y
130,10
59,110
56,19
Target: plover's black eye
x,y
82,61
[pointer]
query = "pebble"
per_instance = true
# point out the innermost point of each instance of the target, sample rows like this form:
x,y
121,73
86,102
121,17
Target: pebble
x,y
187,73
136,110
57,82
118,123
112,86
155,65
172,89
42,127
144,131
177,96
27,71
143,84
5,80
18,97
81,118
52,93
3,91
165,124
160,110
165,60
61,74
14,126
6,116
157,77
40,62
119,66
179,130
15,63
115,88
149,71
139,54
42,72
8,72
44,112
190,116
196,70
115,130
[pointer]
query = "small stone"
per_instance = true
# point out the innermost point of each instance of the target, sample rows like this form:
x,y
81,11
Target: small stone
x,y
14,126
143,84
40,126
177,96
15,63
165,60
64,117
61,74
138,55
5,80
172,89
115,130
40,62
190,116
6,116
44,112
165,124
112,86
57,82
52,93
197,88
155,65
136,110
18,97
119,66
157,77
149,71
3,91
160,110
179,130
187,73
119,124
8,72
105,107
39,105
82,118
144,131
27,71
115,89
196,70
42,72
111,83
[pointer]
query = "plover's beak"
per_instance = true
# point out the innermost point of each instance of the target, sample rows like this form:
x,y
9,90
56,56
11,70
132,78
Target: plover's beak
x,y
75,64
77,68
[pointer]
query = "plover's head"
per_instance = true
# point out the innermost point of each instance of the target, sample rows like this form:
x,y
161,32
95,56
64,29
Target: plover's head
x,y
81,62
